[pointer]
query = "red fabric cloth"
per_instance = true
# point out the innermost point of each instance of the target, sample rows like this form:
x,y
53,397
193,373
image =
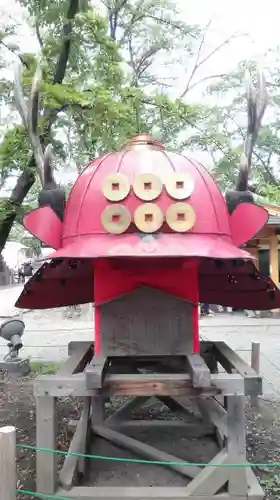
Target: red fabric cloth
x,y
110,282
230,283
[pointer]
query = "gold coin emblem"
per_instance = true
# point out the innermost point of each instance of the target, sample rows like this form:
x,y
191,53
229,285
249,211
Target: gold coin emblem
x,y
180,217
147,186
148,218
116,219
115,187
179,185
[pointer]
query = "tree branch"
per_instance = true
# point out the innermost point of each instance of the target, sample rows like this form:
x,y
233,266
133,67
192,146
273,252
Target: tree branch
x,y
255,154
62,61
38,34
201,80
10,49
198,63
63,57
113,15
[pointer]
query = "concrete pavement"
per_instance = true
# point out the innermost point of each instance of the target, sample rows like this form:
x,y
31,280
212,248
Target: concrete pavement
x,y
239,332
8,297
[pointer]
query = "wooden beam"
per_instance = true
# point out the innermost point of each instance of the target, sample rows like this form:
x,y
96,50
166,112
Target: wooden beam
x,y
255,491
198,370
73,344
146,450
62,386
216,414
252,380
211,479
255,365
152,385
95,372
273,257
136,493
182,405
126,409
77,361
97,409
193,429
78,445
175,384
236,445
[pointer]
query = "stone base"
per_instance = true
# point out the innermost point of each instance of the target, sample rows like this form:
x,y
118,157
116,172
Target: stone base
x,y
19,368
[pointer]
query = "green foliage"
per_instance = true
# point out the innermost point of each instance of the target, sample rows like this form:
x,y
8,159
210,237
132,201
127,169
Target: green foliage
x,y
229,121
14,149
271,193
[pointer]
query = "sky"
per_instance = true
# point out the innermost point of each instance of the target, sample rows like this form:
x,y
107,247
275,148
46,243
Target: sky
x,y
256,20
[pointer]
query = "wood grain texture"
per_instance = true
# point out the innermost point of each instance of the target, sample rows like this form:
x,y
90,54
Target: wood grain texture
x,y
8,481
46,433
146,322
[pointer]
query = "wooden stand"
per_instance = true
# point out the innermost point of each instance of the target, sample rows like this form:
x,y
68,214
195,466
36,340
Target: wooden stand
x,y
174,380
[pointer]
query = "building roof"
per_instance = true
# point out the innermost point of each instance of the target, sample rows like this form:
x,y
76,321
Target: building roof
x,y
274,215
273,220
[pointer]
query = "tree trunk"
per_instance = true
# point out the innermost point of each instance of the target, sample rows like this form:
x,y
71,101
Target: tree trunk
x,y
14,202
27,177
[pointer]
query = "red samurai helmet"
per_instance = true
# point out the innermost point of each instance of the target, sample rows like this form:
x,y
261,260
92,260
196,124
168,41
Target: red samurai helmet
x,y
146,216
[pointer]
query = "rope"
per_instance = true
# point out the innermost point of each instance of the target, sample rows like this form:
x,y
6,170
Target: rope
x,y
41,495
142,461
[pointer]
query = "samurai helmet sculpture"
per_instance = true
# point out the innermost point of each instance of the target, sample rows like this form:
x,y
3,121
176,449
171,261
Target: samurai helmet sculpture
x,y
146,203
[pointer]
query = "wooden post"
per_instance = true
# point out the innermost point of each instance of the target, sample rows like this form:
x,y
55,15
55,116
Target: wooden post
x,y
8,480
273,258
237,484
46,462
255,364
273,261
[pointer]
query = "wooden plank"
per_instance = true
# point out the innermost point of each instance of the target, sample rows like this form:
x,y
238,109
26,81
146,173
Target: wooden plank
x,y
78,445
210,479
193,429
225,355
46,432
208,354
183,405
255,365
152,385
215,413
126,409
156,323
77,361
177,384
8,475
145,450
255,357
138,493
62,386
236,445
95,372
228,383
152,424
97,410
73,344
198,370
